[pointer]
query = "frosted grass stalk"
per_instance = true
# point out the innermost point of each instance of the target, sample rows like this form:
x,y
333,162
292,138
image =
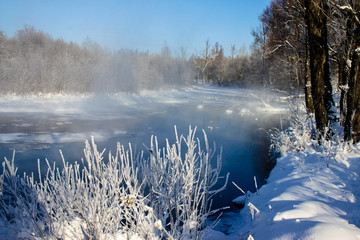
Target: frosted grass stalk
x,y
167,195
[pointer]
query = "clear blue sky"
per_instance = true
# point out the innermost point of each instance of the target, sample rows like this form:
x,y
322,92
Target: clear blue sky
x,y
134,24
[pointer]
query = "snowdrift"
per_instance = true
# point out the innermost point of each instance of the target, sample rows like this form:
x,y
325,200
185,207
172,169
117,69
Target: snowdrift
x,y
312,193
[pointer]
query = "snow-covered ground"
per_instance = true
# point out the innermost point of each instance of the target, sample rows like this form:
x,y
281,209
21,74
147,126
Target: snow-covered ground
x,y
312,193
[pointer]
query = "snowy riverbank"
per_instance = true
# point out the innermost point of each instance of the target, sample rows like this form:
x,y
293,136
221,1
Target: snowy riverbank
x,y
312,193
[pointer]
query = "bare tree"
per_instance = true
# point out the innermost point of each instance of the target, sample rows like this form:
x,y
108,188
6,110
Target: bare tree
x,y
282,45
202,62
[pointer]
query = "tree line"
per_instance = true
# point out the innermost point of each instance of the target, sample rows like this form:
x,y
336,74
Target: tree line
x,y
318,43
32,61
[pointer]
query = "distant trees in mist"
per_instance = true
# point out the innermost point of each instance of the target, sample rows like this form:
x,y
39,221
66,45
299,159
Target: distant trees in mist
x,y
32,62
211,66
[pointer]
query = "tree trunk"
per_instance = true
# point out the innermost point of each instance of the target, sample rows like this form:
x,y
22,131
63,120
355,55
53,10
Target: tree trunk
x,y
356,79
344,68
321,89
353,96
343,86
352,120
308,96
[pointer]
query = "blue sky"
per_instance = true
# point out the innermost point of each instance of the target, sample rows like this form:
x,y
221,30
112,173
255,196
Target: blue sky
x,y
134,24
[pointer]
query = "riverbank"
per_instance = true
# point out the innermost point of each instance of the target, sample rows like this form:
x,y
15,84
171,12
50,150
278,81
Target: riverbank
x,y
312,193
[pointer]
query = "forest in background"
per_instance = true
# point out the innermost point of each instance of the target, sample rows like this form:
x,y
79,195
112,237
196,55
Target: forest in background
x,y
33,62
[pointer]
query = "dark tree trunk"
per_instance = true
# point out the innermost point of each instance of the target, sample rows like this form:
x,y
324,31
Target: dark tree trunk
x,y
353,96
344,68
343,86
352,120
308,96
321,89
356,78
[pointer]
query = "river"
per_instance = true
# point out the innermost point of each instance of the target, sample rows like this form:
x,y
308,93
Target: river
x,y
237,120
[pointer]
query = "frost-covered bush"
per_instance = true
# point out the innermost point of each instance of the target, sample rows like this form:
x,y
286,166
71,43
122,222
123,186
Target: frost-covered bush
x,y
298,136
181,185
124,196
302,135
97,199
20,208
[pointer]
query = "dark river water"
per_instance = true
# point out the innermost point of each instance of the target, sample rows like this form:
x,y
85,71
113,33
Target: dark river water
x,y
237,120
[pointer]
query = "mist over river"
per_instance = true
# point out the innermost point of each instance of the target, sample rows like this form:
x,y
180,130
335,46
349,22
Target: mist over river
x,y
235,119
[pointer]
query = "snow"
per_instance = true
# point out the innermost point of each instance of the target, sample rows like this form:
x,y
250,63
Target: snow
x,y
55,137
87,106
309,195
348,63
